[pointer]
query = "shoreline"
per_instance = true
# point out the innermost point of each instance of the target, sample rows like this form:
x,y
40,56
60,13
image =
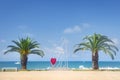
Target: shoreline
x,y
61,70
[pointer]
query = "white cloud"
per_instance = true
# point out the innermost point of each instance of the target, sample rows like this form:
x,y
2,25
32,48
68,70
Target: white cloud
x,y
2,51
55,50
27,34
22,27
59,50
116,41
2,41
74,29
86,25
77,28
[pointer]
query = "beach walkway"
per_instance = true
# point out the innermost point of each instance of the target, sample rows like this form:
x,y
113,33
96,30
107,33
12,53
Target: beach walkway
x,y
60,75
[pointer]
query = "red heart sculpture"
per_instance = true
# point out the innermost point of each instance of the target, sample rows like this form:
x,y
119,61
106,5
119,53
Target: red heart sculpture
x,y
53,61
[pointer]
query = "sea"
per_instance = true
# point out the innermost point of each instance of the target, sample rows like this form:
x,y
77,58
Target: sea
x,y
43,65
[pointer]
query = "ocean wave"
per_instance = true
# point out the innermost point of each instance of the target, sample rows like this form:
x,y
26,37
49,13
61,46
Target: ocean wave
x,y
110,68
83,67
17,63
101,68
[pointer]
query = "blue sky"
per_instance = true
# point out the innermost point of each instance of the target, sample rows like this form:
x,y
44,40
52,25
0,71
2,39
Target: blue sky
x,y
57,24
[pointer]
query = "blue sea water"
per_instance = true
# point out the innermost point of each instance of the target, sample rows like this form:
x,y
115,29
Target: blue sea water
x,y
41,65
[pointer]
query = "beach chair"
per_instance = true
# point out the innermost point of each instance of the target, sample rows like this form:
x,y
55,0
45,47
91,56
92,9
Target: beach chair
x,y
9,69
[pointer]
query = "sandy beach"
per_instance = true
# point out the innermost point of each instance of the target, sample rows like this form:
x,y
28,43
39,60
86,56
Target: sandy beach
x,y
60,75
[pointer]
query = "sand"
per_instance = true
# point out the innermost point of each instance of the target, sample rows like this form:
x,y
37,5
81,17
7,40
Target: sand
x,y
60,75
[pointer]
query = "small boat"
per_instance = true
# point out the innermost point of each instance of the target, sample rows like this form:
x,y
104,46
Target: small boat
x,y
17,62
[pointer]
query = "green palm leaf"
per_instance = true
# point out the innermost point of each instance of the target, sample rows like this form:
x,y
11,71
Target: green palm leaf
x,y
38,52
98,42
25,46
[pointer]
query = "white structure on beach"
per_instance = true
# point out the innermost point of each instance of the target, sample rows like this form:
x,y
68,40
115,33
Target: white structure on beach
x,y
62,56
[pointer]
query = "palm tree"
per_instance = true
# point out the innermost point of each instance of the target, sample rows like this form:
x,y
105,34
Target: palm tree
x,y
96,43
25,46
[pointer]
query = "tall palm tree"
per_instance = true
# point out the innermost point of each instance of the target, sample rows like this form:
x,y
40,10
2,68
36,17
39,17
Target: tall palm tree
x,y
96,43
25,46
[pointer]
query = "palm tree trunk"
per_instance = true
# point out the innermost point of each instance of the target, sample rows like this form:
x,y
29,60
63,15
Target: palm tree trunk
x,y
24,62
95,64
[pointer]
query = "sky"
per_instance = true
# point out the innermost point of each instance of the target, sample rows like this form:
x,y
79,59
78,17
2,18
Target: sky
x,y
58,25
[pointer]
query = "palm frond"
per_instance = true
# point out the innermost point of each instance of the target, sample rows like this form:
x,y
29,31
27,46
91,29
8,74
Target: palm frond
x,y
17,43
11,50
33,45
114,47
24,46
98,42
78,49
103,49
110,54
38,52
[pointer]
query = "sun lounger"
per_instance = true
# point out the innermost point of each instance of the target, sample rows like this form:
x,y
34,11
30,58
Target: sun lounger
x,y
9,69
